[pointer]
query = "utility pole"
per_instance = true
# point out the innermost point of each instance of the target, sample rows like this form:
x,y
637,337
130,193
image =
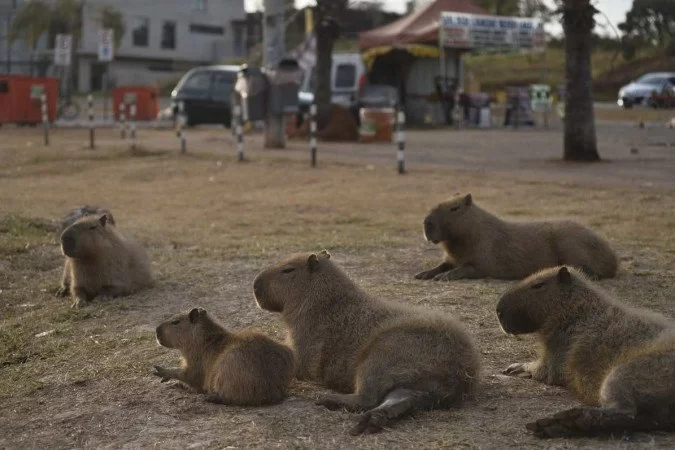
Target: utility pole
x,y
273,53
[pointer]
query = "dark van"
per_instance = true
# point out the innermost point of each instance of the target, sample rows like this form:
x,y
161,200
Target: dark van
x,y
205,93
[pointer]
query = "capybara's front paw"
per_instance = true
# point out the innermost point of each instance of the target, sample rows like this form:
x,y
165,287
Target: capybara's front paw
x,y
518,370
425,275
62,291
163,373
445,276
79,303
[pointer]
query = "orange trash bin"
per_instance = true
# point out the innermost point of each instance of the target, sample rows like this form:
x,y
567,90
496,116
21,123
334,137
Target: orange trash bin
x,y
377,124
146,99
20,99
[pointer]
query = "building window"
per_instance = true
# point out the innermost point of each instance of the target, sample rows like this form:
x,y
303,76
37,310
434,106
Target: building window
x,y
200,5
206,29
140,32
169,36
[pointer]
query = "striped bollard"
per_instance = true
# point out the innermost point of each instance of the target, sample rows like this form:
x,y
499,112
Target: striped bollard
x,y
90,104
181,127
132,125
239,131
400,141
45,117
123,119
312,133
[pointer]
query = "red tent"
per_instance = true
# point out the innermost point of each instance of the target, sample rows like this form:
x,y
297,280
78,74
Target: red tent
x,y
419,27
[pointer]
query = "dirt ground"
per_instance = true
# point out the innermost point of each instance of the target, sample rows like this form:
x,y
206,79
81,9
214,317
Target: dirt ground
x,y
83,379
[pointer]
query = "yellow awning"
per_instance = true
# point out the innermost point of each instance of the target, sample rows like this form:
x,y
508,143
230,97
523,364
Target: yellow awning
x,y
419,50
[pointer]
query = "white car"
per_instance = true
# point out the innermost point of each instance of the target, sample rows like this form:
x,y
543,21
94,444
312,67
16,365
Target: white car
x,y
639,92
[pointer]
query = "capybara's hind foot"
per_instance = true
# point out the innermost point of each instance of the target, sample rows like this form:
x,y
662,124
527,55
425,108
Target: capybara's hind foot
x,y
581,421
370,422
396,404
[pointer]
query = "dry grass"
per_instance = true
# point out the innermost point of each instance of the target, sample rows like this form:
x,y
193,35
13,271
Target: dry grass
x,y
210,224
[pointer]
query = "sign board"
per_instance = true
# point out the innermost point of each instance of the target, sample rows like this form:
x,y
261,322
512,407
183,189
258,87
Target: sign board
x,y
106,50
474,31
129,98
63,44
540,97
36,91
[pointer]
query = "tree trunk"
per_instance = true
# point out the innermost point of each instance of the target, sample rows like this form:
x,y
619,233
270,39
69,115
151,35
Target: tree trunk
x,y
580,140
327,31
324,62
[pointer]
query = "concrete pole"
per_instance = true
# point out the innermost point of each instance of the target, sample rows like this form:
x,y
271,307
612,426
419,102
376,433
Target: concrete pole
x,y
274,50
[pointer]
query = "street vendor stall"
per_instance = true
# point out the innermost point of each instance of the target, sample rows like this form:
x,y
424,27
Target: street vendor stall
x,y
421,54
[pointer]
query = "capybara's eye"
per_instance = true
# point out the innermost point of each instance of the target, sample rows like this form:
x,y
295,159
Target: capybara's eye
x,y
93,227
454,208
288,270
175,322
537,285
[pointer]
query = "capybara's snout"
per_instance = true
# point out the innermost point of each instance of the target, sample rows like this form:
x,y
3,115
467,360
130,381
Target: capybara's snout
x,y
430,230
258,288
68,244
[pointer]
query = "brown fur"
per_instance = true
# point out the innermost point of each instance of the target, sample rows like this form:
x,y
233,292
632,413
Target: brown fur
x,y
478,244
244,368
84,210
101,261
610,356
373,352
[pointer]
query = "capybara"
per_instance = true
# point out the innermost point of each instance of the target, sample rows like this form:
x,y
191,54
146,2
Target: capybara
x,y
101,261
478,244
617,360
245,368
383,358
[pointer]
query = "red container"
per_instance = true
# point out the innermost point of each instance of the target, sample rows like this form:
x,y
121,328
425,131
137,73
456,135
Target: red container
x,y
20,99
146,99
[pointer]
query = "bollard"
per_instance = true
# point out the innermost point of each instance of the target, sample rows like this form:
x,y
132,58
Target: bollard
x,y
45,117
400,140
181,127
312,133
90,104
123,119
132,125
239,132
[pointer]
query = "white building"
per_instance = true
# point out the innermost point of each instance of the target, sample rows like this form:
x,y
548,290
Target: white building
x,y
163,39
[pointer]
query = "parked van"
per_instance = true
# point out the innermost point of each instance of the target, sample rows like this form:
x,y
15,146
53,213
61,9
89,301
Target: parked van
x,y
348,76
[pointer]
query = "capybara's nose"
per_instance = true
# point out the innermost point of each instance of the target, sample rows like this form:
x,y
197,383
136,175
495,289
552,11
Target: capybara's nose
x,y
258,288
68,244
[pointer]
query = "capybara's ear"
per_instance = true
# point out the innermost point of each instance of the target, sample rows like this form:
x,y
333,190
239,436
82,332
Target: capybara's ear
x,y
312,262
564,276
324,254
468,200
103,219
196,314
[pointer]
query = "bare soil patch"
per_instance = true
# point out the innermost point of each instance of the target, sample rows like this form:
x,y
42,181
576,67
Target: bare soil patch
x,y
84,378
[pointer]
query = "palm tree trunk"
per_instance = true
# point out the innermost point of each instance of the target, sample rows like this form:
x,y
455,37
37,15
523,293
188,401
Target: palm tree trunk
x,y
580,140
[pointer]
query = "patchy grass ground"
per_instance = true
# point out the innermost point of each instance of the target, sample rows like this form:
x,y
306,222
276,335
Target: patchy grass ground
x,y
83,378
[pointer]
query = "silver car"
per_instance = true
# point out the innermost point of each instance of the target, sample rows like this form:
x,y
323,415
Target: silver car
x,y
639,92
